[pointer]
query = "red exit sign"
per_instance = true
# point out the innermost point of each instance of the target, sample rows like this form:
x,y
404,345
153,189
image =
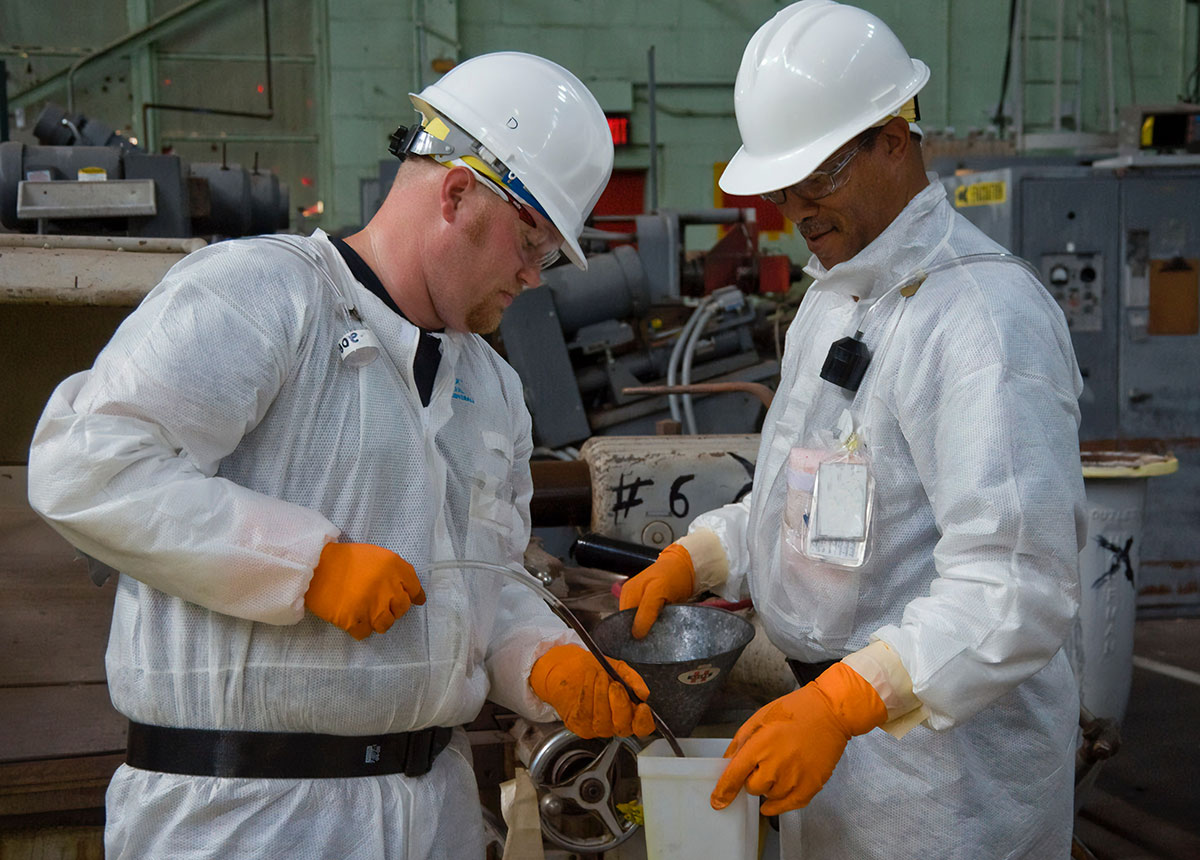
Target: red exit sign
x,y
618,126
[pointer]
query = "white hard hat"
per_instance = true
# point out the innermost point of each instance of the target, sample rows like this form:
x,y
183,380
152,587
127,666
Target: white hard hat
x,y
811,78
541,123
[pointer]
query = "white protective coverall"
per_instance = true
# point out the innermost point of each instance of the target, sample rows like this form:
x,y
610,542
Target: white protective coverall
x,y
217,444
971,579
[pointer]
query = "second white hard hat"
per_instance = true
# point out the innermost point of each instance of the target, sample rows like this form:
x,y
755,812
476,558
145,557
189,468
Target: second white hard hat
x,y
811,78
541,123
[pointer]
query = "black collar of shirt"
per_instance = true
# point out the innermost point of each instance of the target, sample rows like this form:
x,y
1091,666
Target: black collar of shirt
x,y
366,276
429,349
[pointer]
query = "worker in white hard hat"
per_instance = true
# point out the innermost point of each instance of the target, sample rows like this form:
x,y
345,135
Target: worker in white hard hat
x,y
911,539
292,452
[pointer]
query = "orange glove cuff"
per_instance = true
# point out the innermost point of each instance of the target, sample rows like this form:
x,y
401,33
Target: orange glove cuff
x,y
678,571
852,700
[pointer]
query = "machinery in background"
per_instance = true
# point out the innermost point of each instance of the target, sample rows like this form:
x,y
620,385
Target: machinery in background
x,y
647,490
89,180
1117,242
642,316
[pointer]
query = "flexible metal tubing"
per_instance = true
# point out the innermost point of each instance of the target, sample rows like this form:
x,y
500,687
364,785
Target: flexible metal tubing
x,y
560,609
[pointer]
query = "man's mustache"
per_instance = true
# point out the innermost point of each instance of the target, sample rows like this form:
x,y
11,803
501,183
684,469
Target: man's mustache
x,y
812,227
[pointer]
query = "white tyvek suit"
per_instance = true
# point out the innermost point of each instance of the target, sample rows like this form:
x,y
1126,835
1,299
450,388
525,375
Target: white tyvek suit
x,y
972,575
215,447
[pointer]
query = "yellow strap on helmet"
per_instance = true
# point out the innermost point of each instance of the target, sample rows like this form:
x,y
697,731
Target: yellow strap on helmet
x,y
909,111
437,128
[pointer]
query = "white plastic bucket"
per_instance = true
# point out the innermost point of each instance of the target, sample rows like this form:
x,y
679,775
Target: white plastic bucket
x,y
1115,483
1107,594
679,822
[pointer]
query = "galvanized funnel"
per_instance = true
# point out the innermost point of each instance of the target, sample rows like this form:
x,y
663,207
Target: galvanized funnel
x,y
684,659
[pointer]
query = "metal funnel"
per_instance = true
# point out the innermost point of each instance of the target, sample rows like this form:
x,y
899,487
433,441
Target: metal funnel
x,y
684,659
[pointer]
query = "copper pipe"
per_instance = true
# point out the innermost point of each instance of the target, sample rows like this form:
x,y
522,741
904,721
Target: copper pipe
x,y
756,388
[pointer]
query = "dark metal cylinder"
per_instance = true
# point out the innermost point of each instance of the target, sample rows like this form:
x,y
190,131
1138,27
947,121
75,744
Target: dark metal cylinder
x,y
619,556
562,493
613,287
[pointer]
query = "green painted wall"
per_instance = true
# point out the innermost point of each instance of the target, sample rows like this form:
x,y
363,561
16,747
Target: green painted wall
x,y
698,46
345,67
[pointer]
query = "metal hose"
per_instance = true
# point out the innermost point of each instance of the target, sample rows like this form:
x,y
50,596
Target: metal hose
x,y
560,609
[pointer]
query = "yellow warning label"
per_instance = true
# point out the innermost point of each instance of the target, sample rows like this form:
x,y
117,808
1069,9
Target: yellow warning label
x,y
981,194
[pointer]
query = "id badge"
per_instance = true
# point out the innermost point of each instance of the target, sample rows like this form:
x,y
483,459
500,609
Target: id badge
x,y
840,518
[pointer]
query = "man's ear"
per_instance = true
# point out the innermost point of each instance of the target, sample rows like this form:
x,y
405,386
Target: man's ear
x,y
894,137
456,184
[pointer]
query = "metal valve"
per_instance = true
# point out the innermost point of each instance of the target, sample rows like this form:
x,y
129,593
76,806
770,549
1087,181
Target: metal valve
x,y
580,783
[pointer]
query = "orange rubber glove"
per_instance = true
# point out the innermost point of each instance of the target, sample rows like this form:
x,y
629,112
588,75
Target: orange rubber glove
x,y
671,579
591,704
789,748
362,588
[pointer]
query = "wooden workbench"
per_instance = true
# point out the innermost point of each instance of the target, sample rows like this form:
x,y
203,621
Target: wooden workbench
x,y
60,739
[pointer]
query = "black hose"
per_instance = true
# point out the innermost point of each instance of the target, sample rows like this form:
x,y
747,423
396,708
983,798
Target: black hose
x,y
1191,94
999,117
618,556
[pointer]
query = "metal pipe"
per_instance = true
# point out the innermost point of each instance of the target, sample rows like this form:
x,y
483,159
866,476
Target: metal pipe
x,y
155,30
1021,26
1058,64
1110,74
676,353
145,34
619,556
25,51
270,90
560,609
653,135
654,362
715,216
418,36
689,354
1129,53
762,392
1079,22
190,137
3,105
422,44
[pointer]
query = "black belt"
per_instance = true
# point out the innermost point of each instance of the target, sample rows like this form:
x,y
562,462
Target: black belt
x,y
282,755
806,672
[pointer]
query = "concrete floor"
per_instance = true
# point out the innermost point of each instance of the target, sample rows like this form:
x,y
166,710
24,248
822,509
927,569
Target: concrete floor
x,y
1146,800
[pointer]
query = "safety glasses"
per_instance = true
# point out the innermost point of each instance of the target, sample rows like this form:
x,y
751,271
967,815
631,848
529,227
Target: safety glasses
x,y
542,251
823,181
453,147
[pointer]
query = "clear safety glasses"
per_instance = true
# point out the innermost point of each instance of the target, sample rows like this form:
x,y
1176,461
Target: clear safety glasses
x,y
451,147
538,245
823,181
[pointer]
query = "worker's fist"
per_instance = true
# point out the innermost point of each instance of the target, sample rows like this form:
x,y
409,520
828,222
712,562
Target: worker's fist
x,y
591,703
671,579
362,588
789,748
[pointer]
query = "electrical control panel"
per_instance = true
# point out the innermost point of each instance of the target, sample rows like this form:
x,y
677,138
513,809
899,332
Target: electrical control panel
x,y
1077,283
